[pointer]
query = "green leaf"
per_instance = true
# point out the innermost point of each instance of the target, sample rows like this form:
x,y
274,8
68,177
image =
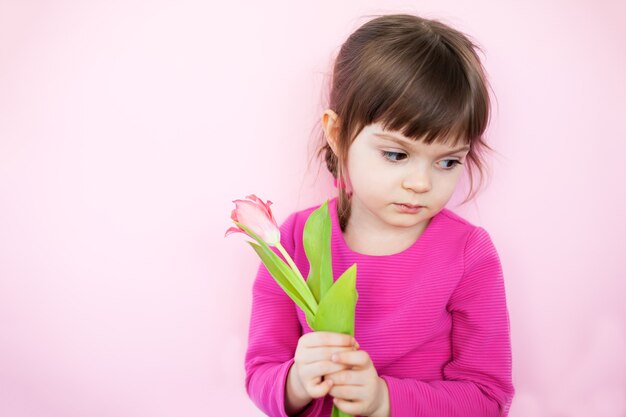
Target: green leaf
x,y
296,282
338,413
316,240
335,312
281,276
310,320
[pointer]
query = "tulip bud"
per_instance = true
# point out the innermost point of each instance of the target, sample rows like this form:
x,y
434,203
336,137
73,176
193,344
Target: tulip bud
x,y
256,215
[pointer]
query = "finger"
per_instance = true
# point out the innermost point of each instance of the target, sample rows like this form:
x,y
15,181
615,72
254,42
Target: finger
x,y
319,390
358,358
346,377
315,339
319,369
317,354
346,392
353,408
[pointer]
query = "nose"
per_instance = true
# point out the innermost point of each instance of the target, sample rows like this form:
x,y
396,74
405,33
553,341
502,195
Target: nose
x,y
418,180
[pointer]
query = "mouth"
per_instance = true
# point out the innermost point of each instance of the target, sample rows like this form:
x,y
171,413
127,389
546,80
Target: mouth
x,y
408,208
411,206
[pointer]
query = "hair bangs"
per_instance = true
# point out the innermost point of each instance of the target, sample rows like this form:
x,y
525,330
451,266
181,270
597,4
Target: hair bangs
x,y
437,104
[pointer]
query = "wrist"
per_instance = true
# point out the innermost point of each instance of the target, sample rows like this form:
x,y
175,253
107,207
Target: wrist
x,y
383,409
296,398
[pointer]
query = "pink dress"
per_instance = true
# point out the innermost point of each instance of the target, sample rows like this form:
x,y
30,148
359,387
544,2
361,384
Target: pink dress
x,y
433,319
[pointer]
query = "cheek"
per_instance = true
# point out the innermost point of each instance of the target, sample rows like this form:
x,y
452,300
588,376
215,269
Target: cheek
x,y
447,182
373,178
364,170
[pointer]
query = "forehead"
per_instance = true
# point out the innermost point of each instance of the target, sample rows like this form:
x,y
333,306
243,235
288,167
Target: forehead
x,y
377,134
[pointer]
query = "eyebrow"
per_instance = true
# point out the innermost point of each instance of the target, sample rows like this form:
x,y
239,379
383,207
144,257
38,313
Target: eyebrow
x,y
407,143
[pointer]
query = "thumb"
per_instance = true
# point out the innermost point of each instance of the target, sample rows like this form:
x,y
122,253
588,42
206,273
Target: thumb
x,y
328,384
321,389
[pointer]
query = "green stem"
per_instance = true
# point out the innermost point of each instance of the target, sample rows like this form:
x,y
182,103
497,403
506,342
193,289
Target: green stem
x,y
290,261
306,291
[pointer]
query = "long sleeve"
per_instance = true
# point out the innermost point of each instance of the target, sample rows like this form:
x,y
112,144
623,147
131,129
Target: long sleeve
x,y
477,381
272,339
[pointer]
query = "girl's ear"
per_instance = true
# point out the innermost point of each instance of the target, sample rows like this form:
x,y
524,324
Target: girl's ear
x,y
330,124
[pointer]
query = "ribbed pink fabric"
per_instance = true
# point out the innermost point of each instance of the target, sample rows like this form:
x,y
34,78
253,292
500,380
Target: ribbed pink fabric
x,y
433,318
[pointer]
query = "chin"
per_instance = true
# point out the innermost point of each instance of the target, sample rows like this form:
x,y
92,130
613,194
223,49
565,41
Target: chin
x,y
408,221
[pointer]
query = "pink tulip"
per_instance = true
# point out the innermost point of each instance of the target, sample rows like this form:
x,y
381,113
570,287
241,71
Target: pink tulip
x,y
256,215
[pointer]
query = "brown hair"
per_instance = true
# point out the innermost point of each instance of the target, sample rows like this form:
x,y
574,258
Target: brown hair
x,y
413,75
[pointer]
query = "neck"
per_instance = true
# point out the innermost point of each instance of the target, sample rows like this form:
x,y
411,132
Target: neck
x,y
367,235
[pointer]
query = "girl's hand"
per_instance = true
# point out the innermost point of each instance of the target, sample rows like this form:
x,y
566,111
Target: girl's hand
x,y
359,390
312,361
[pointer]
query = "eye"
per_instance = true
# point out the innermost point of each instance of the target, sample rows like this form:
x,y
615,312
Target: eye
x,y
393,156
451,163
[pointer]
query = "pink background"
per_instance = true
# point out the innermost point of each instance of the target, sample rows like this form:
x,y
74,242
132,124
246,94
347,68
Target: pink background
x,y
127,127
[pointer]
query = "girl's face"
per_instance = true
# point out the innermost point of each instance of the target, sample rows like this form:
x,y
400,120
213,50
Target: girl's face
x,y
387,169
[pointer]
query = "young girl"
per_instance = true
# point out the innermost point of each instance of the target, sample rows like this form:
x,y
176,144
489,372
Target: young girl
x,y
408,107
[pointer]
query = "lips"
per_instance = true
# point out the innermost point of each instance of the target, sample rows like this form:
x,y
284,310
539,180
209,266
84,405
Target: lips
x,y
408,209
410,205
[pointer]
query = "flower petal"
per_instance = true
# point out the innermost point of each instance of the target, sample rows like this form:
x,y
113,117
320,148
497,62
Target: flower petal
x,y
233,230
265,206
233,215
254,214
